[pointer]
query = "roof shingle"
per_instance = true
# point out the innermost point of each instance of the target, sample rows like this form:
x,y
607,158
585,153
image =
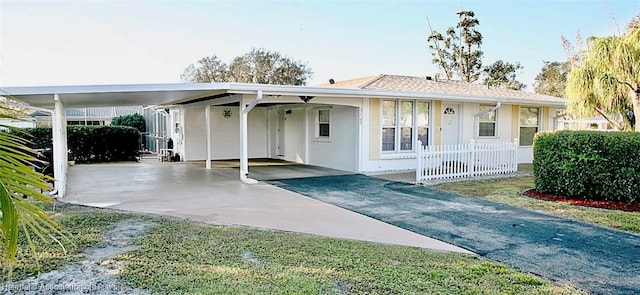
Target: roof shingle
x,y
444,87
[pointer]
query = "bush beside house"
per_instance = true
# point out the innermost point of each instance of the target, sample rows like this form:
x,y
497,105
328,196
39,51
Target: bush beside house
x,y
93,144
592,165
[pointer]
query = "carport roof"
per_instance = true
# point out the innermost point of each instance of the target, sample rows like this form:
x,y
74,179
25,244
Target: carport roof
x,y
168,94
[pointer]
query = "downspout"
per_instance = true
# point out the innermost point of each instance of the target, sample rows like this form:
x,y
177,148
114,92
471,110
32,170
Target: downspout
x,y
244,154
476,116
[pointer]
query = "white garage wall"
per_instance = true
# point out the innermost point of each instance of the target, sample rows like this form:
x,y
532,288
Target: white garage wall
x,y
225,133
340,150
294,134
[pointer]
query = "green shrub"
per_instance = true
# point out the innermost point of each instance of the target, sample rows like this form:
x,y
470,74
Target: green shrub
x,y
136,121
593,165
93,144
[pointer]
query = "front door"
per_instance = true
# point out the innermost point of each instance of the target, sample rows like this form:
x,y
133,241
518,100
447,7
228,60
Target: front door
x,y
450,123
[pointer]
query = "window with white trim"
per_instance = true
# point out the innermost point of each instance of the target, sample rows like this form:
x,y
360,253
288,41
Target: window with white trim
x,y
422,122
487,122
402,122
406,125
323,123
388,125
529,124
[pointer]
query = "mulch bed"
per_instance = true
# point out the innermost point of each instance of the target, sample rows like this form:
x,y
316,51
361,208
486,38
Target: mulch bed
x,y
587,203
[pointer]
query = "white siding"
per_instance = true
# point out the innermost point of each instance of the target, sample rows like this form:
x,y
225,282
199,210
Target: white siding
x,y
225,133
340,150
294,134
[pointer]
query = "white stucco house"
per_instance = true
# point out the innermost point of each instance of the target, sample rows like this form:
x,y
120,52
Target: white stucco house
x,y
374,132
369,125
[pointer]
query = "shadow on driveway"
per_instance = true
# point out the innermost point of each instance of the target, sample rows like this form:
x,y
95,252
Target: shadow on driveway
x,y
589,257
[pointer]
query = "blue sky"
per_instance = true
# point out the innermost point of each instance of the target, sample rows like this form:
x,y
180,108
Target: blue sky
x,y
113,42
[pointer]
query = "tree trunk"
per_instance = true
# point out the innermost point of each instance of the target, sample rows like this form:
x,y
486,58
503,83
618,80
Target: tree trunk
x,y
635,100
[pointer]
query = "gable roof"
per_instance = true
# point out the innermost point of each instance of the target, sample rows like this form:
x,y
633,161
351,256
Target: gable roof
x,y
445,87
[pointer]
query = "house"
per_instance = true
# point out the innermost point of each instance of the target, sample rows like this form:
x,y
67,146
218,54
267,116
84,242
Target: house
x,y
369,125
88,116
376,131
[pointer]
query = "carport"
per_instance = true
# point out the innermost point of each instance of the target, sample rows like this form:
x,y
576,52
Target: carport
x,y
55,100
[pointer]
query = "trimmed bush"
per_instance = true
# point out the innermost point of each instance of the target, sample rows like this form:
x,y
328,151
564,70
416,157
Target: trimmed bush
x,y
93,144
136,121
590,165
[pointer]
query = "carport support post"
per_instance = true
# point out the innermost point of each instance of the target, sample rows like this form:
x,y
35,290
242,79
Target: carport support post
x,y
207,120
244,142
60,156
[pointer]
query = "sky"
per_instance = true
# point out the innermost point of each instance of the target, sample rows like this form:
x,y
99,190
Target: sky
x,y
150,41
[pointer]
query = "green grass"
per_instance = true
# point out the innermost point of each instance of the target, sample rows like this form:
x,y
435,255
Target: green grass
x,y
180,257
183,257
509,191
84,227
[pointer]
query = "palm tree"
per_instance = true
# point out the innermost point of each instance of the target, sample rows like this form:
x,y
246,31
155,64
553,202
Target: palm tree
x,y
607,80
20,196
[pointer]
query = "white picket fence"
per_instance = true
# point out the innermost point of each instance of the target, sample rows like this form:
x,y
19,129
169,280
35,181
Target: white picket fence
x,y
466,160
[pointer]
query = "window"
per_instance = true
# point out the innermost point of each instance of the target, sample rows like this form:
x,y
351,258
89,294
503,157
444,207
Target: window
x,y
324,119
422,122
487,121
88,123
403,122
529,118
406,125
389,125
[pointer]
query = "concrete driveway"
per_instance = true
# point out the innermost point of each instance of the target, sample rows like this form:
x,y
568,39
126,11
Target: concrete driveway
x,y
217,196
589,257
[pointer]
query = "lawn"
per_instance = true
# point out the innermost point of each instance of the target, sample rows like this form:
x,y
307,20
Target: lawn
x,y
186,257
509,191
85,227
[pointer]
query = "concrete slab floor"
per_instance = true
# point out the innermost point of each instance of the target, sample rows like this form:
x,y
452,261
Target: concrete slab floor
x,y
217,196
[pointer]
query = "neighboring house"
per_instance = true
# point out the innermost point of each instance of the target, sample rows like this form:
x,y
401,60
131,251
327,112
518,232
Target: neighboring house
x,y
593,123
370,133
22,122
88,116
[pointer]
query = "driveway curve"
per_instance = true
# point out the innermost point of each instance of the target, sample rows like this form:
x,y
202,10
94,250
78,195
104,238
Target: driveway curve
x,y
592,258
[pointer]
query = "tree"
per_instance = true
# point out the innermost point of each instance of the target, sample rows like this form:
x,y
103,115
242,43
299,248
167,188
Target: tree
x,y
552,79
20,192
257,66
503,74
458,53
136,121
607,80
209,69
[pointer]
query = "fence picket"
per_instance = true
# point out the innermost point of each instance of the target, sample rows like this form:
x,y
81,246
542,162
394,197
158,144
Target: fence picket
x,y
465,160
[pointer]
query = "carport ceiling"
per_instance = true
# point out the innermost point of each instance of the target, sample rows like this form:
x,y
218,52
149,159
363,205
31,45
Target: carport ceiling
x,y
113,95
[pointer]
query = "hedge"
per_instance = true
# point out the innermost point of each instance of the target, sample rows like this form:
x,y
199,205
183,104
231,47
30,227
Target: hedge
x,y
93,144
590,165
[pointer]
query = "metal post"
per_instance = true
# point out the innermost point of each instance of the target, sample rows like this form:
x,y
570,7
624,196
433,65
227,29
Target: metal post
x,y
244,153
207,119
60,156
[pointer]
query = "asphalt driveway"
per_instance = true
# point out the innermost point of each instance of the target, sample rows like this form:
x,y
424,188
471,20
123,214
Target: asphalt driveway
x,y
592,258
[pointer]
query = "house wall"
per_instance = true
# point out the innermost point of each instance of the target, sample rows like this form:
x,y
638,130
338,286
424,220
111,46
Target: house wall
x,y
298,132
507,130
225,133
340,150
294,134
